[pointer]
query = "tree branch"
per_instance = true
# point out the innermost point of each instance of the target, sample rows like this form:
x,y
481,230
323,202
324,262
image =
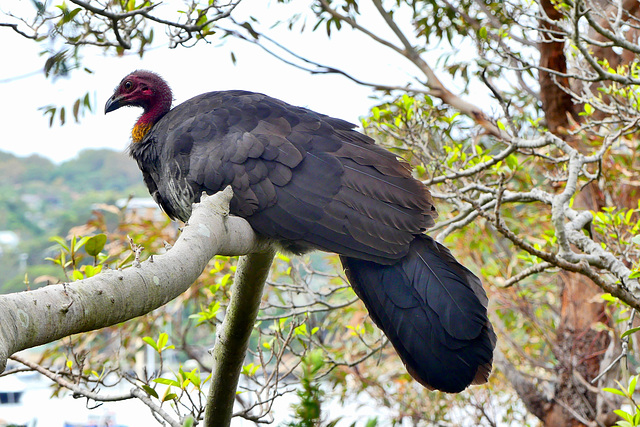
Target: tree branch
x,y
17,30
434,83
32,318
233,337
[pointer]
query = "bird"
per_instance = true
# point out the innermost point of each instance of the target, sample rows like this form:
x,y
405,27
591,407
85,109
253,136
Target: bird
x,y
307,181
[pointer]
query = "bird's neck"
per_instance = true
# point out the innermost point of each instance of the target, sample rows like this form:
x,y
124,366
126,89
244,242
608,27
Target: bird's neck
x,y
157,108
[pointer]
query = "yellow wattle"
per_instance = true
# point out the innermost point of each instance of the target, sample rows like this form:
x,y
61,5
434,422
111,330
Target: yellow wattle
x,y
139,131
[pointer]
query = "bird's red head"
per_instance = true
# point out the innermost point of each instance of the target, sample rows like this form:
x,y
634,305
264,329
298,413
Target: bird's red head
x,y
146,90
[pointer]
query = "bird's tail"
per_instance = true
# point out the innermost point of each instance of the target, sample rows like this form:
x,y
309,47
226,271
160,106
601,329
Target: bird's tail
x,y
434,312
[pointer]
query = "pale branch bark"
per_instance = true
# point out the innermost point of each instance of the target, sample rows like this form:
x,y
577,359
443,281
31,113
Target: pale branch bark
x,y
568,222
99,397
29,319
535,269
76,388
594,255
597,68
233,337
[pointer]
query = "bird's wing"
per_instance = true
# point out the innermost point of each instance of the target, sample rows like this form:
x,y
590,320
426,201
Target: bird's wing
x,y
307,180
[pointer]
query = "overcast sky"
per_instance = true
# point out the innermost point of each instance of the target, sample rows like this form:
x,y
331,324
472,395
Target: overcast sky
x,y
189,72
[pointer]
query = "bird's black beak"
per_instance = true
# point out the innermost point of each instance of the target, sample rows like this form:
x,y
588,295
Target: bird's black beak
x,y
112,104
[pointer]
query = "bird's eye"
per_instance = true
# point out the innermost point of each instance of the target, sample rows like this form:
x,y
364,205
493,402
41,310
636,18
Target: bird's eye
x,y
128,85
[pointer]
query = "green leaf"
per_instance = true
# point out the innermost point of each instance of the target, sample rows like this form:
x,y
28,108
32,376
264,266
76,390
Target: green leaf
x,y
166,381
150,391
248,369
512,162
375,111
169,396
77,244
614,391
76,109
87,101
632,383
162,340
90,270
629,332
151,342
59,240
72,14
77,275
372,422
95,244
301,330
194,376
624,415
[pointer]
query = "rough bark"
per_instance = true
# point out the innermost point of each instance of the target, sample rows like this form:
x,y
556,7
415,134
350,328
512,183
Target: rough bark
x,y
556,103
580,348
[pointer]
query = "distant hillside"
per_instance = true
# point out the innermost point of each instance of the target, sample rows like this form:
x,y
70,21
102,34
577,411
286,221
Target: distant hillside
x,y
90,170
39,199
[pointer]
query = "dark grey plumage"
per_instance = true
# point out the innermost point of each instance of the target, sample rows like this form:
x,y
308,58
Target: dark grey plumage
x,y
310,181
307,180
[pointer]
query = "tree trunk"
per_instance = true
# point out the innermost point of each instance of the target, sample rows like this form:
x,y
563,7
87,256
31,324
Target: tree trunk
x,y
556,103
233,336
579,347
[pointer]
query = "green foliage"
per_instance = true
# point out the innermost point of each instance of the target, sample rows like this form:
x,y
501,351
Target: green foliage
x,y
70,258
94,245
160,344
308,411
631,416
39,199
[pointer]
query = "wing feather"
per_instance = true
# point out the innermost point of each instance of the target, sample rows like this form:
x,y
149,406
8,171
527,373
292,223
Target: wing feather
x,y
321,183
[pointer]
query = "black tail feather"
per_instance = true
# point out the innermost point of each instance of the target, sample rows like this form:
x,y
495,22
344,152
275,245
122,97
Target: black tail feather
x,y
434,312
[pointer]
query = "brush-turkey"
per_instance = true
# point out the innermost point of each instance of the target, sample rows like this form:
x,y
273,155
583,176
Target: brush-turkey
x,y
309,181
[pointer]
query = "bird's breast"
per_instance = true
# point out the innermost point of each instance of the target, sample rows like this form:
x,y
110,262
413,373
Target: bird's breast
x,y
140,130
